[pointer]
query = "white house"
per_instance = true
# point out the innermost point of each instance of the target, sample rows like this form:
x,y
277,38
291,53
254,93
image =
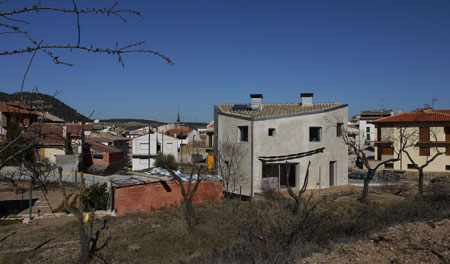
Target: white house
x,y
280,129
144,152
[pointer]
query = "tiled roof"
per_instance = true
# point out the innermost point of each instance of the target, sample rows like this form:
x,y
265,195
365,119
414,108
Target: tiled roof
x,y
418,116
106,137
14,107
276,109
51,133
102,148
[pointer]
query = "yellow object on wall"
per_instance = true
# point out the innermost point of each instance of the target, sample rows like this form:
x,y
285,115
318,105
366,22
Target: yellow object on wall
x,y
210,162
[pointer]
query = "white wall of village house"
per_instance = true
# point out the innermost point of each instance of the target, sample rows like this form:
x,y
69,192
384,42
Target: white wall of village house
x,y
292,136
140,149
438,165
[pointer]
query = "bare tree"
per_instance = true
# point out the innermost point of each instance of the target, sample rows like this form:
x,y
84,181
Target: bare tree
x,y
230,157
188,196
87,240
299,202
410,138
358,149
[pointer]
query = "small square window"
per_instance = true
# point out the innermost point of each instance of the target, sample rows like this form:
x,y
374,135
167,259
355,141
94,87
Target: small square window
x,y
243,133
389,165
447,167
315,134
339,128
272,132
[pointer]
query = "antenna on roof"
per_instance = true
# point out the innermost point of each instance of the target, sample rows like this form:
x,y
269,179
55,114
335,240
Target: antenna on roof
x,y
382,105
433,100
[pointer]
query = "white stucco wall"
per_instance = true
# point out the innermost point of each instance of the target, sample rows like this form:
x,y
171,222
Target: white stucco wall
x,y
169,146
292,136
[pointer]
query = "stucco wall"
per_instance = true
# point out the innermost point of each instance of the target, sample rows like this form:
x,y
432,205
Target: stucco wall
x,y
438,165
292,136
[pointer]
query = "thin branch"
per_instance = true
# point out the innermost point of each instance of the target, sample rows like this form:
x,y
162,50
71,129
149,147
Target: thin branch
x,y
78,22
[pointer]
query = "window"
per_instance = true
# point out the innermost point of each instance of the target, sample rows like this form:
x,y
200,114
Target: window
x,y
243,133
411,166
368,136
315,134
272,132
97,156
447,167
447,139
368,129
389,165
339,128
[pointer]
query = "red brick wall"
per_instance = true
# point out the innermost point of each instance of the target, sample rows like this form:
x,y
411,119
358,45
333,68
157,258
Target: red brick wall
x,y
153,196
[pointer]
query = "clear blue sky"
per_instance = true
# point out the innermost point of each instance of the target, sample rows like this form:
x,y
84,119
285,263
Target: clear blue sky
x,y
354,52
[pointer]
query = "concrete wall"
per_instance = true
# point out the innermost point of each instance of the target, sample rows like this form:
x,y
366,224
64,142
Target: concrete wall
x,y
140,149
67,162
148,197
51,153
292,136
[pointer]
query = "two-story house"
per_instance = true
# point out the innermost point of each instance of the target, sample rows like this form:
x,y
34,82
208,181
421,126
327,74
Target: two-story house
x,y
146,147
428,128
280,129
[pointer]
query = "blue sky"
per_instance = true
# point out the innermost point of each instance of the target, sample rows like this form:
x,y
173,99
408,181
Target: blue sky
x,y
366,54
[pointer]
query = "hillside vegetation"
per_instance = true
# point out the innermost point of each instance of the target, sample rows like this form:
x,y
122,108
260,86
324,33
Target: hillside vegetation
x,y
42,101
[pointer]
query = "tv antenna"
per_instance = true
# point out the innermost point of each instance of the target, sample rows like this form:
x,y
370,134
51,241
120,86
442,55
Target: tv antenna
x,y
382,105
433,100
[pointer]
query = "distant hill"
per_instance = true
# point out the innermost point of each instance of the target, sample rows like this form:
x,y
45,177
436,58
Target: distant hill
x,y
42,101
131,124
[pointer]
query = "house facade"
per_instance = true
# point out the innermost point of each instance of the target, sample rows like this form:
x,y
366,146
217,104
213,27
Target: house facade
x,y
429,129
146,147
274,129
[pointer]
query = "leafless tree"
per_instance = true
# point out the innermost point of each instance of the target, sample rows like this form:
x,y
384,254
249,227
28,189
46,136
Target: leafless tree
x,y
87,240
188,196
358,149
410,138
230,157
299,202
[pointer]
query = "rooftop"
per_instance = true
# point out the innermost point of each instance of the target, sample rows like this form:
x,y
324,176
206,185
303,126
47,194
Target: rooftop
x,y
275,109
420,115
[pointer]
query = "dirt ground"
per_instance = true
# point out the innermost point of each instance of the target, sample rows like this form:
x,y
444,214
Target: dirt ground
x,y
423,242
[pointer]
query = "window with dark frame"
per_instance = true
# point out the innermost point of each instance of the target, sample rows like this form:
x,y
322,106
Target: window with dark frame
x,y
243,133
271,132
447,167
97,156
315,134
339,128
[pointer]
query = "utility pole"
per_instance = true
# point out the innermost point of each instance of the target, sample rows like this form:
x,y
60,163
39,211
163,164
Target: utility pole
x,y
149,145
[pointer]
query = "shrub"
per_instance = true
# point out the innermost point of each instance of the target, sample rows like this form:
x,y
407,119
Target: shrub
x,y
165,161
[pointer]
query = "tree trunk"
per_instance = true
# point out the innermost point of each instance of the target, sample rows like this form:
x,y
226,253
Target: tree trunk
x,y
365,193
420,181
84,243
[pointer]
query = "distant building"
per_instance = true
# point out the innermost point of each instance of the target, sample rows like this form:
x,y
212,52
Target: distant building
x,y
144,152
23,114
280,129
365,134
430,129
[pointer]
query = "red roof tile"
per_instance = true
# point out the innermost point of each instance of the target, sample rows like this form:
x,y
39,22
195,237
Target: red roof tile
x,y
102,148
14,107
419,116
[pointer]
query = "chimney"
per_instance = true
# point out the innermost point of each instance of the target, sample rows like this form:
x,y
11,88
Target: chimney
x,y
256,101
64,131
306,98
